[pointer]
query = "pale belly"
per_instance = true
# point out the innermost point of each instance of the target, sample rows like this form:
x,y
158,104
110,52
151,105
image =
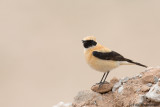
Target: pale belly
x,y
102,65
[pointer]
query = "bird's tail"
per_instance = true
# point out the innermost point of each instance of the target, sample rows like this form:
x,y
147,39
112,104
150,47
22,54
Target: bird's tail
x,y
130,61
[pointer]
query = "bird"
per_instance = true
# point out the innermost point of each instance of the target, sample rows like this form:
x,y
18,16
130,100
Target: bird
x,y
102,58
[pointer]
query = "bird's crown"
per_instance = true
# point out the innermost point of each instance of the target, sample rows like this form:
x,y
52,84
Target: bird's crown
x,y
89,38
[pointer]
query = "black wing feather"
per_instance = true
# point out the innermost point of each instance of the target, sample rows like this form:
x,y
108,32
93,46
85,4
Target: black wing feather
x,y
109,56
114,56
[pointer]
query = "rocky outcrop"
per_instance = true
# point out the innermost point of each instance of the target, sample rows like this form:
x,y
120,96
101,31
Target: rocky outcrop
x,y
142,90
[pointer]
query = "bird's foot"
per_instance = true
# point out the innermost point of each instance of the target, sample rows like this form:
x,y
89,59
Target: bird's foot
x,y
101,83
98,83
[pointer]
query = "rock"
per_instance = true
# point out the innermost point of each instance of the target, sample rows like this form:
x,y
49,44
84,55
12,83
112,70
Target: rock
x,y
120,89
139,91
148,78
87,97
154,93
114,80
116,86
134,77
124,80
140,100
140,76
155,79
145,88
106,87
151,76
149,84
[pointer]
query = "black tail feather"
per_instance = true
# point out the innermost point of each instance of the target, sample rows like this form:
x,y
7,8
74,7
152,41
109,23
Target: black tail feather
x,y
130,61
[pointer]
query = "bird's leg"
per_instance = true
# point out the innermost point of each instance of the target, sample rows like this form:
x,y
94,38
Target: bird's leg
x,y
104,79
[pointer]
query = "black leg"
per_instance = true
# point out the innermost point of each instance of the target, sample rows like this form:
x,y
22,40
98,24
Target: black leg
x,y
106,77
102,77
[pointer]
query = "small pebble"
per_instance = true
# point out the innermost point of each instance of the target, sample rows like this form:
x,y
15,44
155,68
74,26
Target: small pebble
x,y
149,84
106,87
120,89
125,79
138,90
153,93
155,79
116,85
140,76
145,88
141,99
134,77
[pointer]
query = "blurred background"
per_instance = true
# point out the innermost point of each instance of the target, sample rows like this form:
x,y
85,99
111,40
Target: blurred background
x,y
41,58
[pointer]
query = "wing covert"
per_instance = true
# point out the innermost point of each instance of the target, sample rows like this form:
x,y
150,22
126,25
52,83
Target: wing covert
x,y
109,56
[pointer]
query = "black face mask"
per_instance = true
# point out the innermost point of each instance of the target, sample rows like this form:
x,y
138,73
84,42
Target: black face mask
x,y
89,43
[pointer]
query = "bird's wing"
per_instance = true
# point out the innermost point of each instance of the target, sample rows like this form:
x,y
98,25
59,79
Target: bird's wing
x,y
114,56
109,56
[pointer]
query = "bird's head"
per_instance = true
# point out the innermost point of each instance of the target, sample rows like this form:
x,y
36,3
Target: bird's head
x,y
89,41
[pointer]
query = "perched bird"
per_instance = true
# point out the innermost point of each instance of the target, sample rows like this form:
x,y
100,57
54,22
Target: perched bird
x,y
103,59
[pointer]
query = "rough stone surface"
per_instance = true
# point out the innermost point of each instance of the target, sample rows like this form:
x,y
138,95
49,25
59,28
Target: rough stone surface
x,y
154,93
148,78
140,100
87,97
145,88
137,91
155,79
114,80
106,87
140,76
102,89
116,86
120,89
125,80
149,84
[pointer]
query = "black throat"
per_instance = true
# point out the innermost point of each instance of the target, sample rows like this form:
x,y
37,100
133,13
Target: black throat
x,y
89,43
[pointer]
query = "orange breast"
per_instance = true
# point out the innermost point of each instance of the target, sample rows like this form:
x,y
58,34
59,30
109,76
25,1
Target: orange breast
x,y
99,64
